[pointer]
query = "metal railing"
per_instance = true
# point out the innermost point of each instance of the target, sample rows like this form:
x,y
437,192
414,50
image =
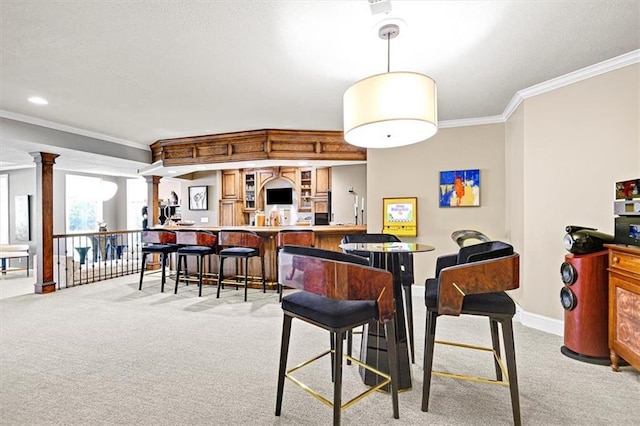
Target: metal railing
x,y
85,258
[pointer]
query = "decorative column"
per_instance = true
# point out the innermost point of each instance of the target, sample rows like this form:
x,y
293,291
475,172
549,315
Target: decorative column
x,y
152,199
153,262
44,221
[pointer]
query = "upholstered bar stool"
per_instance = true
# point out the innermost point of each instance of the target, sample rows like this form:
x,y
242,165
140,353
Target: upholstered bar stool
x,y
473,282
194,243
240,244
162,242
339,292
293,237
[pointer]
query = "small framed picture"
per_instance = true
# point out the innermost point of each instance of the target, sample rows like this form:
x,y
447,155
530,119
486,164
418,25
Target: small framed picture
x,y
460,188
198,199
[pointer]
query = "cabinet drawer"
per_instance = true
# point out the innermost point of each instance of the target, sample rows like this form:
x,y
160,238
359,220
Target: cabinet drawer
x,y
626,262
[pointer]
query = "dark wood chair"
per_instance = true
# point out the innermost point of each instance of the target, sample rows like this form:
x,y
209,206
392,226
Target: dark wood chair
x,y
339,292
293,237
162,242
239,244
194,243
473,282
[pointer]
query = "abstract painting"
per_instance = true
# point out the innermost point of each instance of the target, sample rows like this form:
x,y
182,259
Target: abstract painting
x,y
460,188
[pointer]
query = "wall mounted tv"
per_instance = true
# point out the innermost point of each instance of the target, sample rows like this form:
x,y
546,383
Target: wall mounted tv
x,y
279,196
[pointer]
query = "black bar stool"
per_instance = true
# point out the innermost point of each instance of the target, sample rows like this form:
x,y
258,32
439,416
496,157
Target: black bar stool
x,y
240,244
194,243
160,242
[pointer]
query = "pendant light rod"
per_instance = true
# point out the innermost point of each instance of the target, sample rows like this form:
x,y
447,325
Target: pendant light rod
x,y
388,32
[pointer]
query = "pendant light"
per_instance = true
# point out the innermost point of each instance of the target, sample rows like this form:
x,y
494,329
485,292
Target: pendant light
x,y
391,109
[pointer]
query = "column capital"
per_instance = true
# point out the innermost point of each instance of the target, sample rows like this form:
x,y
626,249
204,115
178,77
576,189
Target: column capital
x,y
44,157
153,179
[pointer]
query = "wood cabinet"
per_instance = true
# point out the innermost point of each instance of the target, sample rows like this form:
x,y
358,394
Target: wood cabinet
x,y
246,189
624,305
249,190
231,213
306,189
230,184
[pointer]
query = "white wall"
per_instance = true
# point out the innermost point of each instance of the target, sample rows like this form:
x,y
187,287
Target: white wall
x,y
413,171
344,178
577,141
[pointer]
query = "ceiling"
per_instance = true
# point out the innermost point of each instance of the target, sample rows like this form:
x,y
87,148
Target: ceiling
x,y
134,72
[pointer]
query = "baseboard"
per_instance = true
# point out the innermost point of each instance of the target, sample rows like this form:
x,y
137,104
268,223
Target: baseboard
x,y
539,322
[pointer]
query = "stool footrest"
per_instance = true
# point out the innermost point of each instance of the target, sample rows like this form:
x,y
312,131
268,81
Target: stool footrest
x,y
318,396
503,368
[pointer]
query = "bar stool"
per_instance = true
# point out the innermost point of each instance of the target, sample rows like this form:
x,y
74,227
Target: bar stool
x,y
292,237
194,243
338,292
473,282
160,242
240,244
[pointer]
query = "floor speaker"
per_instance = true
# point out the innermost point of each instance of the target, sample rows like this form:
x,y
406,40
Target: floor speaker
x,y
584,298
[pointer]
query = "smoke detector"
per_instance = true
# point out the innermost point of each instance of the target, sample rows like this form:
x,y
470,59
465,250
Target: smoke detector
x,y
379,6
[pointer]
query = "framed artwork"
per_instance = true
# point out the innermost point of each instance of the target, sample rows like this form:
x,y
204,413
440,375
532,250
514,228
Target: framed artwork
x,y
460,188
198,199
23,217
400,216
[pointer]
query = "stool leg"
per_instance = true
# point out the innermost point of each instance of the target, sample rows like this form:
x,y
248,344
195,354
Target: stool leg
x,y
409,307
200,268
246,277
429,342
163,261
144,260
284,351
510,355
264,283
178,273
390,329
220,276
337,385
495,342
349,345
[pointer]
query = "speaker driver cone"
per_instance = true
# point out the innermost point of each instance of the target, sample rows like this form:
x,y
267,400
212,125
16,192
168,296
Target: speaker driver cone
x,y
567,299
568,273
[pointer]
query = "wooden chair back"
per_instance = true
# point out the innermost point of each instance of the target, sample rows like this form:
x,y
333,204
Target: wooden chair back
x,y
337,276
196,238
304,237
158,236
485,276
238,238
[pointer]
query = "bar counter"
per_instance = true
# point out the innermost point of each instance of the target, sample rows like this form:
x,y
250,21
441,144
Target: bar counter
x,y
328,237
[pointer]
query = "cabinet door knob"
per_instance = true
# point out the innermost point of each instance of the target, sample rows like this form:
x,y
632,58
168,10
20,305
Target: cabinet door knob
x,y
615,259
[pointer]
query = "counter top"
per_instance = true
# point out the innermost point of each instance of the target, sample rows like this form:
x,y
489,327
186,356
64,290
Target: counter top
x,y
320,229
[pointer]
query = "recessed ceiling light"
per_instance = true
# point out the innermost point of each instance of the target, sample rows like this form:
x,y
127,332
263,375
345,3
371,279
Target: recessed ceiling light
x,y
38,100
303,163
251,164
200,168
173,172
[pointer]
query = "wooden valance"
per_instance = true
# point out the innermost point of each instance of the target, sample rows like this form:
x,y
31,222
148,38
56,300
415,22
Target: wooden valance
x,y
268,144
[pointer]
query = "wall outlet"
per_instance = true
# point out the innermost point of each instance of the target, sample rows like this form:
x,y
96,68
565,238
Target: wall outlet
x,y
204,219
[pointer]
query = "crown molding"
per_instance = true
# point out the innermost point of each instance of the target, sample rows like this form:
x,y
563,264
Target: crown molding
x,y
573,77
553,84
69,129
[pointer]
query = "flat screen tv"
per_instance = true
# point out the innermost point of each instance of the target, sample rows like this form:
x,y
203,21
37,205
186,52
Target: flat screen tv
x,y
279,196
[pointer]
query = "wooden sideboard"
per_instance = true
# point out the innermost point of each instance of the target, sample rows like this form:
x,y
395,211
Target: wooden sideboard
x,y
624,305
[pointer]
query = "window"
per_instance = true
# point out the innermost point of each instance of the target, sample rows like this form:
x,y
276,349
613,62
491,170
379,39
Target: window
x,y
83,204
136,200
4,209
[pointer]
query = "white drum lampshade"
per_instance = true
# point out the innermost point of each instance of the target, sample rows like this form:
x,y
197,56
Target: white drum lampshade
x,y
390,110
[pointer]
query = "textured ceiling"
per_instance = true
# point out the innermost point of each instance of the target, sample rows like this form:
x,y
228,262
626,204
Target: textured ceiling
x,y
140,71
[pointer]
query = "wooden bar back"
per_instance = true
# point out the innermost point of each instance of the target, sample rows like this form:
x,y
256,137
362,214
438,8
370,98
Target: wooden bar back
x,y
196,238
157,236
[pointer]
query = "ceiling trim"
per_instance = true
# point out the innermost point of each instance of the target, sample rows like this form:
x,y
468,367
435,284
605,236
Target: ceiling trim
x,y
70,129
555,83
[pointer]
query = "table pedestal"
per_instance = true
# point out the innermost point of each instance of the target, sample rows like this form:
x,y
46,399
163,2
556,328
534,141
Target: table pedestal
x,y
373,349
